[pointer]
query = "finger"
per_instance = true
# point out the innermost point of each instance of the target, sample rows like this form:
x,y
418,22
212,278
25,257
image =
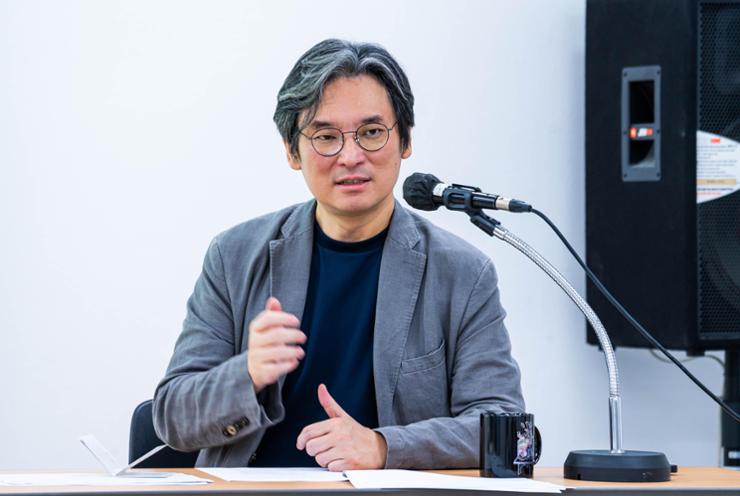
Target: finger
x,y
278,336
327,457
263,374
313,430
277,354
273,304
331,407
339,465
269,319
275,370
319,444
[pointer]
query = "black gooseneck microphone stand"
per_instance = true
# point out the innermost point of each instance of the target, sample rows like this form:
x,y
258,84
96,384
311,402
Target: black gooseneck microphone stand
x,y
615,464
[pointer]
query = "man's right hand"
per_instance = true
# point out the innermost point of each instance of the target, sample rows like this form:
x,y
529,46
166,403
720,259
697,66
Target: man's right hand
x,y
273,347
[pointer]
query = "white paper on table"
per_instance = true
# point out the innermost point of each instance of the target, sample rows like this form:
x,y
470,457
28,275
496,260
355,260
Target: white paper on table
x,y
410,479
275,474
111,465
99,479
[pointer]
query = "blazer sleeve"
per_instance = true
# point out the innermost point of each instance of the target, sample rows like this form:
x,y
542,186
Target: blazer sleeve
x,y
484,377
206,397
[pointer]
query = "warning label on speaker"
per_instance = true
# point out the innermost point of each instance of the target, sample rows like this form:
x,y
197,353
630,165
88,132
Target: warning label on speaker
x,y
717,166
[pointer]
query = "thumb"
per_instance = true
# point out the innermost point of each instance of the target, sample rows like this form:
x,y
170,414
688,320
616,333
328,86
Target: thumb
x,y
273,304
331,407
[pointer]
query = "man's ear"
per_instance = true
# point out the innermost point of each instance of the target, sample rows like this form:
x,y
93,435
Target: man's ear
x,y
293,160
407,151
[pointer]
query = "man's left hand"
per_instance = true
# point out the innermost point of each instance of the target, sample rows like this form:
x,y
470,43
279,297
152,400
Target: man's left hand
x,y
341,443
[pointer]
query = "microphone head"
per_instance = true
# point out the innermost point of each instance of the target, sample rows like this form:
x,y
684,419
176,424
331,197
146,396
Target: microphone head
x,y
418,191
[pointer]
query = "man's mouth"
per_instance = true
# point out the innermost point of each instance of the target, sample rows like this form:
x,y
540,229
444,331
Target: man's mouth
x,y
353,181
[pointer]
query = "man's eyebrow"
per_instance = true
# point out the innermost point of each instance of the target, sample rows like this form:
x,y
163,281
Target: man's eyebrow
x,y
320,124
372,119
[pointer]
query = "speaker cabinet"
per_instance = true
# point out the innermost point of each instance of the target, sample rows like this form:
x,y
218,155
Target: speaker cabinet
x,y
663,169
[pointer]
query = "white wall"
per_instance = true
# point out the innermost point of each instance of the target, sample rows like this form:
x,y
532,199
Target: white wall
x,y
132,132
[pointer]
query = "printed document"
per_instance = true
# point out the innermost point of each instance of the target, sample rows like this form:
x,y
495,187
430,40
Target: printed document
x,y
293,474
410,479
99,479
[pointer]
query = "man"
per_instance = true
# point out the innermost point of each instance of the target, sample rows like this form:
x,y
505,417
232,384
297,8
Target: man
x,y
347,331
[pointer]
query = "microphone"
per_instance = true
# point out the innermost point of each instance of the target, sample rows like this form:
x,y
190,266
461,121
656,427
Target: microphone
x,y
426,192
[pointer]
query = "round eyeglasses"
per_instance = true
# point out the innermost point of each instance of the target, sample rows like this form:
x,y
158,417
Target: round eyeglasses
x,y
329,141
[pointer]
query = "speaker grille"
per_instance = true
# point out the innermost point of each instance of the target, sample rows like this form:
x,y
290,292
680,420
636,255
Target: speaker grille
x,y
719,74
718,221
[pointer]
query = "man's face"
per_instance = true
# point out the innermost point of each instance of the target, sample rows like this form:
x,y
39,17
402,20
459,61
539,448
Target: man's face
x,y
346,104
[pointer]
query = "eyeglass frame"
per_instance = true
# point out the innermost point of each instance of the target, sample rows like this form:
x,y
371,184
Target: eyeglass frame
x,y
356,138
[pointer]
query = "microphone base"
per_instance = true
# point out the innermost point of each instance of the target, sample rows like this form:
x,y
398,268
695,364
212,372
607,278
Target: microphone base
x,y
630,466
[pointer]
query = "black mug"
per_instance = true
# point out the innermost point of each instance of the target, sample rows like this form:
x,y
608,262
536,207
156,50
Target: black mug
x,y
510,445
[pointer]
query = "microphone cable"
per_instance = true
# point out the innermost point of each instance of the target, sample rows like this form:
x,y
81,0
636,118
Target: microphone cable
x,y
645,334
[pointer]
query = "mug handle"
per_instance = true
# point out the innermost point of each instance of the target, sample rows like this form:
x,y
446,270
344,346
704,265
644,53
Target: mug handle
x,y
537,444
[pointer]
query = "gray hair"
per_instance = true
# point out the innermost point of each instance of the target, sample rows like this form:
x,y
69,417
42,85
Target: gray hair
x,y
327,61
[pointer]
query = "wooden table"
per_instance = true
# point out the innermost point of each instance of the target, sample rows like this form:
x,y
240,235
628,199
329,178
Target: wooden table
x,y
688,480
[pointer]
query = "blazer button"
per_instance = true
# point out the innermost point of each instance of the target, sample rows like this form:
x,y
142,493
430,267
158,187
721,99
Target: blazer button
x,y
230,430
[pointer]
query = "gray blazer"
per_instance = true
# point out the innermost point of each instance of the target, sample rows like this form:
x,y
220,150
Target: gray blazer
x,y
441,353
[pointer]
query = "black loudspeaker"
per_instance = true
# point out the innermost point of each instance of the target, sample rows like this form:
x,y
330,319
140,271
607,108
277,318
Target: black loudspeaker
x,y
663,169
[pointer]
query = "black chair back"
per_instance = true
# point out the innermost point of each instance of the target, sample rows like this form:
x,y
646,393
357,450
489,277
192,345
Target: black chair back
x,y
142,438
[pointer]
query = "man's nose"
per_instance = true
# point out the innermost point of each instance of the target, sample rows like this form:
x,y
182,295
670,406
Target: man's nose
x,y
351,153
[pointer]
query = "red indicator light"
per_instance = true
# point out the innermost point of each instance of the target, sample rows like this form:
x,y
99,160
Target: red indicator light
x,y
633,132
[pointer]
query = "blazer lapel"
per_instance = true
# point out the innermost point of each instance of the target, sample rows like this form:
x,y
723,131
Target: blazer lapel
x,y
290,263
401,272
290,260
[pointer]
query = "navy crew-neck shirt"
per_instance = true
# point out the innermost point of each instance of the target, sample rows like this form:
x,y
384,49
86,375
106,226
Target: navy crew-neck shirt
x,y
338,320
